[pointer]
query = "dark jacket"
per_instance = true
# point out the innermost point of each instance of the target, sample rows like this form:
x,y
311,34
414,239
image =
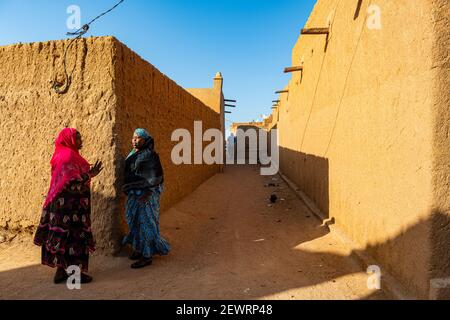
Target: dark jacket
x,y
143,171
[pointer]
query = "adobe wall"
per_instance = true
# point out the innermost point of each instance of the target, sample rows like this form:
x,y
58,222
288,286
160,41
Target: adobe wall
x,y
371,146
113,91
149,99
32,114
440,232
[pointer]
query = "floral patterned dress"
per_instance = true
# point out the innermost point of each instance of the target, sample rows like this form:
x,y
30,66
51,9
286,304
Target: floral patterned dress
x,y
64,232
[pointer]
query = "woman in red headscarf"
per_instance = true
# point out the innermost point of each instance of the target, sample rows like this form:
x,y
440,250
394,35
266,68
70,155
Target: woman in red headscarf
x,y
64,232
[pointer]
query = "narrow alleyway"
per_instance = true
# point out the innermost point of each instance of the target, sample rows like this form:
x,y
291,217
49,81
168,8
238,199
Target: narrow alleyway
x,y
228,242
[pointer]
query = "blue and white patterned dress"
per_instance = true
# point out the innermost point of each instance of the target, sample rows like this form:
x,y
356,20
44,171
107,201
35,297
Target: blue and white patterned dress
x,y
143,222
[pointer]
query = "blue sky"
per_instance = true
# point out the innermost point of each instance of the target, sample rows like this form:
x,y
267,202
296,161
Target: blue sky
x,y
249,41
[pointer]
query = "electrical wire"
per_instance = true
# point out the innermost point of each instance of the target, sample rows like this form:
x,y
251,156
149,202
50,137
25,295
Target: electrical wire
x,y
62,88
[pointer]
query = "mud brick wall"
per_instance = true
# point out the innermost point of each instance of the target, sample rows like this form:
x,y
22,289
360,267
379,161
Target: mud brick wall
x,y
147,98
113,91
364,131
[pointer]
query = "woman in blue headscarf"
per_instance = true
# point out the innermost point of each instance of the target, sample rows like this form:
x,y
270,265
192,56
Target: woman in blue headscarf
x,y
144,178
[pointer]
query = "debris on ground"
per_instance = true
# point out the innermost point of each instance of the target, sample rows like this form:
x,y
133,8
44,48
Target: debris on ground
x,y
271,184
273,198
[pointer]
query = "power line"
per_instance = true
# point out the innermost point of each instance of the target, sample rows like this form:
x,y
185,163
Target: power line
x,y
62,88
85,28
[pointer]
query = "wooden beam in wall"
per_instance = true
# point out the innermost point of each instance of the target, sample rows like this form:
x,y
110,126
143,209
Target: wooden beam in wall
x,y
315,31
293,69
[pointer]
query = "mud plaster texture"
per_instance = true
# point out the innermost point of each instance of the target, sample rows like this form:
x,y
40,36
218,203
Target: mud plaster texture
x,y
371,148
113,92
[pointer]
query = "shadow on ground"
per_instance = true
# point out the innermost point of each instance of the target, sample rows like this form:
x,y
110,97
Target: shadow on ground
x,y
226,245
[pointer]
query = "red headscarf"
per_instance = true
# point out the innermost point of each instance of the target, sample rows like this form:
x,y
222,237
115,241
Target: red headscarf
x,y
67,163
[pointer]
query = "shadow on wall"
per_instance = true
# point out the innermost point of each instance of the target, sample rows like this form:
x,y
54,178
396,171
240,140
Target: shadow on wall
x,y
429,277
431,236
311,177
358,9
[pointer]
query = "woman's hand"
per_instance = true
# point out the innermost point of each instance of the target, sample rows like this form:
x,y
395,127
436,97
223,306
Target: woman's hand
x,y
96,169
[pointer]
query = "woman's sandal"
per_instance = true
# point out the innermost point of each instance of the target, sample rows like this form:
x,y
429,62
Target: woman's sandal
x,y
86,278
143,262
60,276
135,256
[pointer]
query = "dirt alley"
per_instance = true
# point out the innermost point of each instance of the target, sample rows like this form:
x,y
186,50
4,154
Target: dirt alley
x,y
228,242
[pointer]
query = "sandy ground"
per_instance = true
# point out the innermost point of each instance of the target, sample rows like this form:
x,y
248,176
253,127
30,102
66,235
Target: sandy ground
x,y
228,243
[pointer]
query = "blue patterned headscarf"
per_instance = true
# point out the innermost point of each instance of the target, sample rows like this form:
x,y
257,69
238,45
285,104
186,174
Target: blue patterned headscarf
x,y
142,133
145,135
